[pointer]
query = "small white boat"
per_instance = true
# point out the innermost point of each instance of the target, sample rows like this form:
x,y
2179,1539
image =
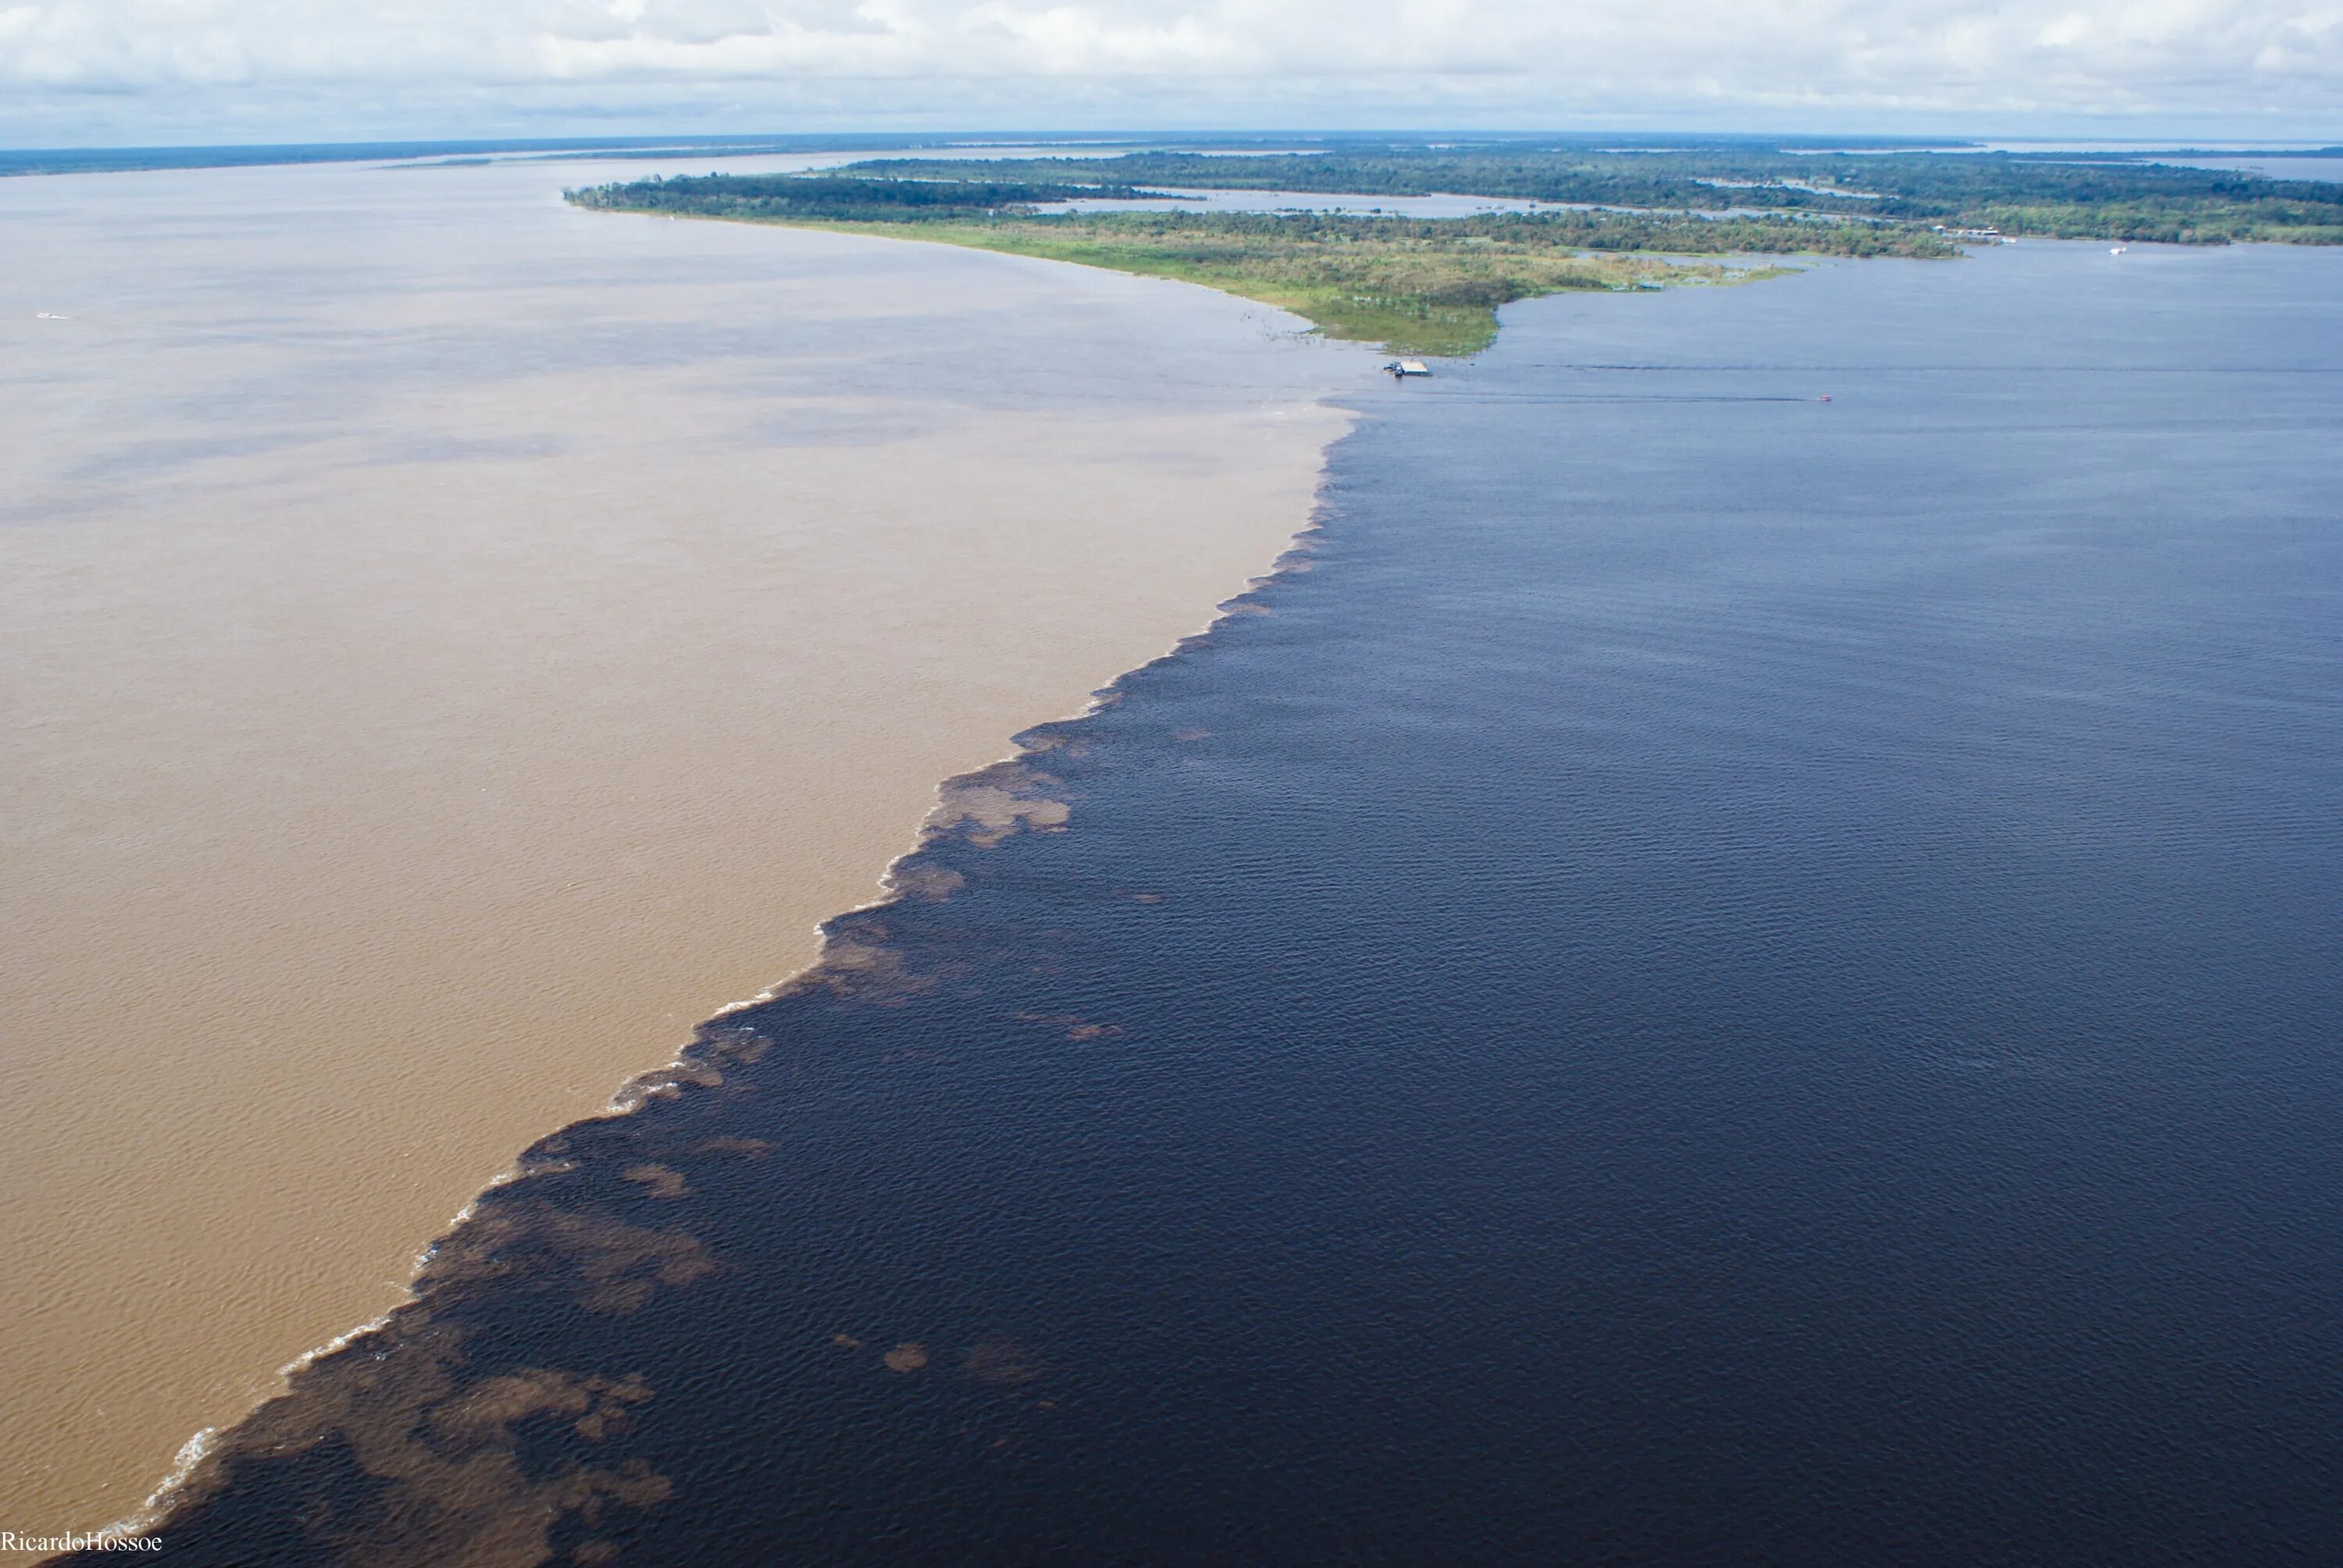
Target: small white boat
x,y
1400,367
2118,250
49,316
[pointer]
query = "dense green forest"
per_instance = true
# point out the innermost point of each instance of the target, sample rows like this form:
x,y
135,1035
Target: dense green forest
x,y
2122,199
861,199
1420,286
1616,220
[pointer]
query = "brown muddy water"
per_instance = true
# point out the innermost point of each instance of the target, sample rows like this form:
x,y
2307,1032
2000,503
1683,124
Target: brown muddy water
x,y
453,643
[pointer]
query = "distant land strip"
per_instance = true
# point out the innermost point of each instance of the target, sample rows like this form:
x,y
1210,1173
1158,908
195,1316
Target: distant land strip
x,y
1596,219
119,160
1417,285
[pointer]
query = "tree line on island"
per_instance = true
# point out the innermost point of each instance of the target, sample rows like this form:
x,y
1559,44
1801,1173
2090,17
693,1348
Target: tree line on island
x,y
1604,218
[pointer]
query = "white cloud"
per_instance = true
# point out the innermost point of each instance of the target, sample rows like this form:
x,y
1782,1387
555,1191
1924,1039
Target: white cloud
x,y
112,67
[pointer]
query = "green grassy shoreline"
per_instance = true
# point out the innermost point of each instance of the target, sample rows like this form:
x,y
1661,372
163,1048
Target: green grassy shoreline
x,y
1428,287
1352,299
1615,219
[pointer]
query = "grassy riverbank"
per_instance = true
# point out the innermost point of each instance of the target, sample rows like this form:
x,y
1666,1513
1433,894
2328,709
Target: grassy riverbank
x,y
1360,281
1414,286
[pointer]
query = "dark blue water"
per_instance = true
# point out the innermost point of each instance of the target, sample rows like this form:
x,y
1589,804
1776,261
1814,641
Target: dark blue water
x,y
1723,979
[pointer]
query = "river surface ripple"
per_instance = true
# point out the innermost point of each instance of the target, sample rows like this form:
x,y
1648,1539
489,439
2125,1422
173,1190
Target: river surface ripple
x,y
1722,978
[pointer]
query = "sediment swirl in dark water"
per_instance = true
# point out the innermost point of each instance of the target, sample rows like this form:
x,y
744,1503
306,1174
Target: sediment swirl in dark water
x,y
1724,979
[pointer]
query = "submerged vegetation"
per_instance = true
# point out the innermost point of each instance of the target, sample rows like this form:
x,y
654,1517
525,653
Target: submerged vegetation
x,y
1600,219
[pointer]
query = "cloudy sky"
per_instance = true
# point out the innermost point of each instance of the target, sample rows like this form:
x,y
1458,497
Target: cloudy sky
x,y
99,71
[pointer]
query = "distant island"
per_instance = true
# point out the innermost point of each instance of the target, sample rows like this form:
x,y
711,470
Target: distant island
x,y
1594,218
